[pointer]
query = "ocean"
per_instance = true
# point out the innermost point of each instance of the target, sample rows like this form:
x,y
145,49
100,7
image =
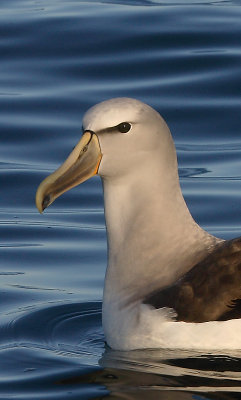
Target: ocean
x,y
58,58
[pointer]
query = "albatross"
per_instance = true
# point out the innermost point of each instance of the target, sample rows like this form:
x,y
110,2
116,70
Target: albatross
x,y
169,283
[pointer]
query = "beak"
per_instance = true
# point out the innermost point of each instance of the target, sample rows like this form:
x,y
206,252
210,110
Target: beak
x,y
82,163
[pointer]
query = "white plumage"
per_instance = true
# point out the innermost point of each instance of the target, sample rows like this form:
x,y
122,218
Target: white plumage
x,y
153,240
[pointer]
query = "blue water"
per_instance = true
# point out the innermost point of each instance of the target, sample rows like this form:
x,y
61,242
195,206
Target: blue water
x,y
58,58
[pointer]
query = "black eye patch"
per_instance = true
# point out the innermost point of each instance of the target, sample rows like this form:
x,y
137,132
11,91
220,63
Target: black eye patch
x,y
124,127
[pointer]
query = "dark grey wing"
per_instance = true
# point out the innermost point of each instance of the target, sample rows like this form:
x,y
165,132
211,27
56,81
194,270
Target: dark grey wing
x,y
210,291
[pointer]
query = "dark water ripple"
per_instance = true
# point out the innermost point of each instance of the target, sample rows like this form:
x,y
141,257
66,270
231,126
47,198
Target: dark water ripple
x,y
57,59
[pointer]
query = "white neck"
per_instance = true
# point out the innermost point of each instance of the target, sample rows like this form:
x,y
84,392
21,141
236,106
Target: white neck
x,y
152,237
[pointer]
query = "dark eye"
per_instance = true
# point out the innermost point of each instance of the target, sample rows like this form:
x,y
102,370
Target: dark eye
x,y
124,127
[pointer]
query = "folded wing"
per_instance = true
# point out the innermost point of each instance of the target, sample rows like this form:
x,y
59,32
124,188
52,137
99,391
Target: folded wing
x,y
210,291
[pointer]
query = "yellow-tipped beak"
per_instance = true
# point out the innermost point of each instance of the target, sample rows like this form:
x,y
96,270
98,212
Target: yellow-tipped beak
x,y
82,163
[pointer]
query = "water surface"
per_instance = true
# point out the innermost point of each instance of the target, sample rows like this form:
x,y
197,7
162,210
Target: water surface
x,y
59,58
